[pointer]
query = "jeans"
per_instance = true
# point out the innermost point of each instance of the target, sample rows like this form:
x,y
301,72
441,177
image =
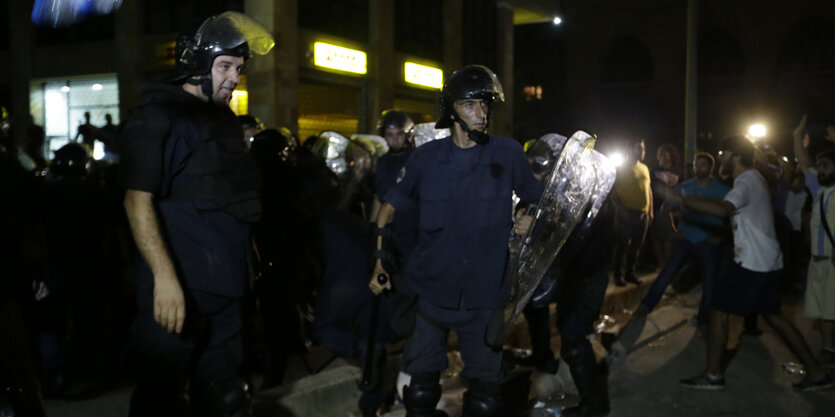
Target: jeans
x,y
631,231
708,255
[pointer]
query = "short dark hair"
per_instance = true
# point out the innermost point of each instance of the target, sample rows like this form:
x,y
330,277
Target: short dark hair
x,y
739,146
827,152
706,156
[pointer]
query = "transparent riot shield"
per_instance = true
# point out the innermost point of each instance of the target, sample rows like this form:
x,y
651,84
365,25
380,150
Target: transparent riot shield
x,y
574,191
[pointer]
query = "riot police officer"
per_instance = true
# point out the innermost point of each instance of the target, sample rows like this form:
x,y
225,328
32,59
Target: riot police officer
x,y
192,192
461,186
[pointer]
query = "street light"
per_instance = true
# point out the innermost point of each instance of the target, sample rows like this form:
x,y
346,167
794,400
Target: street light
x,y
756,131
557,20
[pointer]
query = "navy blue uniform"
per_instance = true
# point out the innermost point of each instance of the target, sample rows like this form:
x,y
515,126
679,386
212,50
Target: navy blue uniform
x,y
463,198
183,149
389,167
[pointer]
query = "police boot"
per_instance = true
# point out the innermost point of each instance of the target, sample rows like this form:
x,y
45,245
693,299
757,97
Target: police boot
x,y
24,402
483,400
594,400
228,398
421,397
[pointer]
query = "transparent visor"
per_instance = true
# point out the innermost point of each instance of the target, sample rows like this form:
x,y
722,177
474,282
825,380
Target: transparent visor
x,y
230,29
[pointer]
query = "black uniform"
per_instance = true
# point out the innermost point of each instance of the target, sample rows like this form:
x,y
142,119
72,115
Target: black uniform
x,y
191,155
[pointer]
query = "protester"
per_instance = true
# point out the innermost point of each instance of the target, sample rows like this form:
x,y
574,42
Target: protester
x,y
749,282
820,287
633,199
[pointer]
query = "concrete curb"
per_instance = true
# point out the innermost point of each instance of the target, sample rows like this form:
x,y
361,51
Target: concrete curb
x,y
330,393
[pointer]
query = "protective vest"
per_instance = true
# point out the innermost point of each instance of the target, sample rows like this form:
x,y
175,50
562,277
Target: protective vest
x,y
221,171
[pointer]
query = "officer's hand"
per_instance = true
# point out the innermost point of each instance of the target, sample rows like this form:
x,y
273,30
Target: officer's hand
x,y
523,224
169,304
375,286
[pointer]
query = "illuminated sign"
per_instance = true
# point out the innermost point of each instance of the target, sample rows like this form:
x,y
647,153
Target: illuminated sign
x,y
339,58
423,75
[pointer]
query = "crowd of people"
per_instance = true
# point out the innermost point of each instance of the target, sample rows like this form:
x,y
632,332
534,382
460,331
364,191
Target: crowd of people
x,y
214,248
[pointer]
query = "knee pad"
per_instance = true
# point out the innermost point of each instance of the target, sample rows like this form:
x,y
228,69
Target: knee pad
x,y
480,404
421,397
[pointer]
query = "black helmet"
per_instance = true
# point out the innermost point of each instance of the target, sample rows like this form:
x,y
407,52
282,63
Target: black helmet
x,y
544,152
229,33
71,161
274,143
249,121
472,81
394,118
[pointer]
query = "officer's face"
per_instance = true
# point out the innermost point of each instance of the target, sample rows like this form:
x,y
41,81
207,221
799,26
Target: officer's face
x,y
226,74
396,138
473,112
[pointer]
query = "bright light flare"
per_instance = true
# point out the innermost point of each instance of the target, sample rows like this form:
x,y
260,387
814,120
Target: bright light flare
x,y
65,89
616,158
98,150
96,87
756,130
557,20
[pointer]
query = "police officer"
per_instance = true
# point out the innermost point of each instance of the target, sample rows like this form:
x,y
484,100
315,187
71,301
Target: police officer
x,y
397,128
577,281
251,125
191,195
461,187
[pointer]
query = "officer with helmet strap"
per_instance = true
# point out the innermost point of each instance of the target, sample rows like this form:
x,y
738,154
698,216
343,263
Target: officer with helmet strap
x,y
461,187
192,193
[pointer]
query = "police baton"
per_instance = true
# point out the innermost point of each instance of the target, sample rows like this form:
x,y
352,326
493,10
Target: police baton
x,y
367,366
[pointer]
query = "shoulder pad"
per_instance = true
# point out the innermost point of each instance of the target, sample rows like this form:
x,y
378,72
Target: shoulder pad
x,y
148,122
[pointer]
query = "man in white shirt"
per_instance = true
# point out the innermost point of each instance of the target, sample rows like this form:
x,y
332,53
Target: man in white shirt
x,y
750,283
820,284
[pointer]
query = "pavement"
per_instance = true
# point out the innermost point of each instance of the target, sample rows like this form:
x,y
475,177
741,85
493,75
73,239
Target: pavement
x,y
644,383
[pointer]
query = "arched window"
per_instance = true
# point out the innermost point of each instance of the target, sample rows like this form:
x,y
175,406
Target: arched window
x,y
720,54
808,46
627,61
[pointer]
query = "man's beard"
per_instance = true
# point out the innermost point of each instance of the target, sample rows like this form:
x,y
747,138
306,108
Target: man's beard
x,y
727,168
702,176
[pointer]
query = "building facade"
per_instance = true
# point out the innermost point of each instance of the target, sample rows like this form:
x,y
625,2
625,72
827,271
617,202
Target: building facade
x,y
336,65
623,64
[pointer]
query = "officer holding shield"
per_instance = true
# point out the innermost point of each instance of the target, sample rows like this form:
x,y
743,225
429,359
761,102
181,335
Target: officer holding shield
x,y
461,187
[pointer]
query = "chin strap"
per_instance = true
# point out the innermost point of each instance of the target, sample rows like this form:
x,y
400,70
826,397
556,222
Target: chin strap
x,y
476,136
205,83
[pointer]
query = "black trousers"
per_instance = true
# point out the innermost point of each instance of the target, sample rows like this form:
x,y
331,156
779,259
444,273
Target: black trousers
x,y
208,351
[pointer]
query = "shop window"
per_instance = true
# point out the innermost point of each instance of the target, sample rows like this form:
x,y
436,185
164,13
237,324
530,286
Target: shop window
x,y
328,107
421,111
65,102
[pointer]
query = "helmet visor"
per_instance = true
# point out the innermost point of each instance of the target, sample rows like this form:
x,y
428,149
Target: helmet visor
x,y
230,29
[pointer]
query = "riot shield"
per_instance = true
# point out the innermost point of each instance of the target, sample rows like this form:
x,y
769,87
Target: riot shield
x,y
350,162
426,132
574,191
374,144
